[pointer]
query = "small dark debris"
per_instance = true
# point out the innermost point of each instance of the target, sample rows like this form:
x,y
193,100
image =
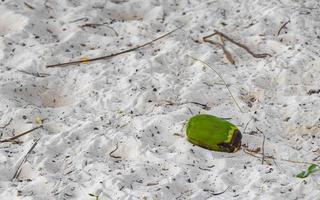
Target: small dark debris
x,y
313,91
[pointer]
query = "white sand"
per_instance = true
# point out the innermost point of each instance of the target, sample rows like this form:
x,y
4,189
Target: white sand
x,y
89,109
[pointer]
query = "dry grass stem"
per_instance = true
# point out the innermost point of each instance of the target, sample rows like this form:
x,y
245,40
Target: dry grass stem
x,y
18,170
111,55
196,59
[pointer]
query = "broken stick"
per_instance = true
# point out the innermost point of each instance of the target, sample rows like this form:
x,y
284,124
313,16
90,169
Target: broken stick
x,y
113,54
19,135
228,55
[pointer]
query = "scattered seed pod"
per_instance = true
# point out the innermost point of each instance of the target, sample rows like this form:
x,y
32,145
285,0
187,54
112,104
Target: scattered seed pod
x,y
213,133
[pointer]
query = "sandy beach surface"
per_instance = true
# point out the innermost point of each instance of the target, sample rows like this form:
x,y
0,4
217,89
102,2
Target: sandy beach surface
x,y
115,128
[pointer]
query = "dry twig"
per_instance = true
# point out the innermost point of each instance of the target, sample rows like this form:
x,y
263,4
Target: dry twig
x,y
282,27
113,54
19,135
228,54
196,59
222,46
110,154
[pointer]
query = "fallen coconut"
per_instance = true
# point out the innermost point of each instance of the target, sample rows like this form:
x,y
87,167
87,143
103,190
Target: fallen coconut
x,y
213,133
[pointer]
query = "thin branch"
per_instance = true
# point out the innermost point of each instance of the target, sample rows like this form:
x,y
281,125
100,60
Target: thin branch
x,y
209,36
196,59
112,55
226,52
263,55
228,55
282,27
7,124
110,154
222,46
18,171
19,135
